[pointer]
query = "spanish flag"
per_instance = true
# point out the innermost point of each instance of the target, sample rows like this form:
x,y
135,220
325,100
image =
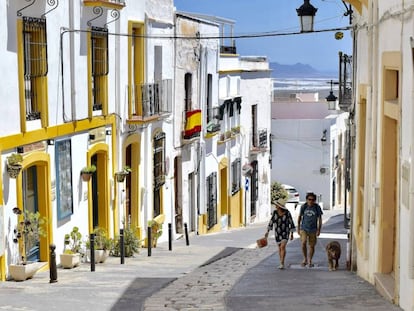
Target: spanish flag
x,y
193,124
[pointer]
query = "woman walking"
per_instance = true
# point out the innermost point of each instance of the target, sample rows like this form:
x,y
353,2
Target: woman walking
x,y
282,221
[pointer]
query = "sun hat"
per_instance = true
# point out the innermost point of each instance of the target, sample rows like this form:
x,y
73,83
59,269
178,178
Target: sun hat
x,y
281,202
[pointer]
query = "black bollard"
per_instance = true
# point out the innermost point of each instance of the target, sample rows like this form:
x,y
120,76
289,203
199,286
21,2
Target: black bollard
x,y
187,242
92,250
53,268
121,245
169,237
149,241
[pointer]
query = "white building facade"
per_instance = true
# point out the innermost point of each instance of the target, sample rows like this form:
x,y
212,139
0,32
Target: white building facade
x,y
382,187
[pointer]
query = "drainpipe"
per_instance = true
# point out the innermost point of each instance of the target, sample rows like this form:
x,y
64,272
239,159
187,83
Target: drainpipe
x,y
72,62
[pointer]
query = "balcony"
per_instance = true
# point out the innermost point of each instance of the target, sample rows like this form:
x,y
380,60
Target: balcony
x,y
192,124
110,4
228,49
259,141
150,101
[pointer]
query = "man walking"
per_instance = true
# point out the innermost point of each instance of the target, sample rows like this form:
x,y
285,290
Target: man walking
x,y
309,227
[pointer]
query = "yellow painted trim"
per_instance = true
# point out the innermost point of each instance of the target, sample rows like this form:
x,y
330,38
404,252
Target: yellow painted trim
x,y
3,268
114,157
391,109
136,201
101,150
103,3
357,4
105,94
230,71
136,76
12,141
42,162
44,110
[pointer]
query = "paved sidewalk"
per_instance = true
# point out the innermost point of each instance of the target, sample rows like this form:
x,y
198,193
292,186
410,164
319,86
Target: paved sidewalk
x,y
222,271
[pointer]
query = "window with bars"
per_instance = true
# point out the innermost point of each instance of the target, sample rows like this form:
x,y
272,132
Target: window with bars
x,y
235,176
159,170
35,65
211,200
159,159
99,54
188,91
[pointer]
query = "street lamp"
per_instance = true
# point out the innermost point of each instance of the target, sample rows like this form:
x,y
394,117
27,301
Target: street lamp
x,y
306,14
331,99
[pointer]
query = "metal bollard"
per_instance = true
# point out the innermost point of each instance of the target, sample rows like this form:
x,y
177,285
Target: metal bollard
x,y
187,242
92,250
149,241
52,263
122,246
169,237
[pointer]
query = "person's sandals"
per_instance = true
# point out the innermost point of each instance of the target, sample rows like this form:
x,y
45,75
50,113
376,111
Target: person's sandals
x,y
311,265
281,266
304,263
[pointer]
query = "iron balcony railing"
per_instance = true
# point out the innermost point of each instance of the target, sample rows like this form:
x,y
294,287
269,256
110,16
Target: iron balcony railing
x,y
151,99
259,140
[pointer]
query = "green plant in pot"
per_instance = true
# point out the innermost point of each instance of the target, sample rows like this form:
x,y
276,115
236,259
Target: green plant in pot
x,y
120,176
131,242
27,233
72,251
102,244
87,172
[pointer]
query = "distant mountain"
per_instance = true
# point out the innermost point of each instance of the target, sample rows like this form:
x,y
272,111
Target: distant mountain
x,y
299,70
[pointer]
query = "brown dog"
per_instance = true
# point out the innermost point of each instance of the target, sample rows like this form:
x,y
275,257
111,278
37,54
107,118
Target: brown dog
x,y
333,251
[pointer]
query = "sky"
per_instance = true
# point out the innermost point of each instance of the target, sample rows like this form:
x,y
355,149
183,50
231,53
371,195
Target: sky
x,y
320,50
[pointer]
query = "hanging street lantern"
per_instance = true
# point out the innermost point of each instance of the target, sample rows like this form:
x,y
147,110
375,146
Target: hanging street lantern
x,y
331,99
306,15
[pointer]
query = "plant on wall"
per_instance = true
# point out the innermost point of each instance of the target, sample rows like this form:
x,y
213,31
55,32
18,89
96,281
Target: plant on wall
x,y
14,165
120,176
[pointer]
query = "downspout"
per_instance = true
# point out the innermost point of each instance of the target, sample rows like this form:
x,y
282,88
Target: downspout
x,y
72,63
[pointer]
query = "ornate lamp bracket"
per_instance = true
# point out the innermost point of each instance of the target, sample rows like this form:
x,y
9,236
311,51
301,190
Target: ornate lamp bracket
x,y
19,12
115,16
54,4
98,11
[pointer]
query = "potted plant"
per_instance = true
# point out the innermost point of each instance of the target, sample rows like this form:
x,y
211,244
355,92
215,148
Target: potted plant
x,y
87,172
102,245
29,229
14,165
72,251
120,176
131,243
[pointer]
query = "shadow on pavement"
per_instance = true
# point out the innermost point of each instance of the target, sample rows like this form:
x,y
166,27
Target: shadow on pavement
x,y
224,253
141,288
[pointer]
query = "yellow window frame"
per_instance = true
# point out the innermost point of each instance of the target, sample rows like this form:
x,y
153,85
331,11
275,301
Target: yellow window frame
x,y
33,69
136,58
98,69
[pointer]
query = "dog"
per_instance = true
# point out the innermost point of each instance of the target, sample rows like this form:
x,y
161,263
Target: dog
x,y
333,251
